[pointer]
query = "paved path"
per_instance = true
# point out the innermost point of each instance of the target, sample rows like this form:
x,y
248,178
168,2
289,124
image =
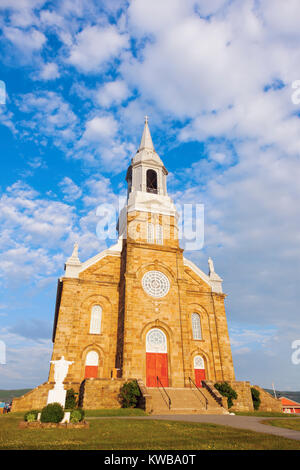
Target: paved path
x,y
251,423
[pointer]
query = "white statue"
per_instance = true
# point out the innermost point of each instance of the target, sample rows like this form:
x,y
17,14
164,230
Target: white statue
x,y
211,265
58,393
60,370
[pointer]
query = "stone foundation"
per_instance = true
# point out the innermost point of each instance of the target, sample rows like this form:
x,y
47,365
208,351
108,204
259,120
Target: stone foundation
x,y
100,393
268,403
244,400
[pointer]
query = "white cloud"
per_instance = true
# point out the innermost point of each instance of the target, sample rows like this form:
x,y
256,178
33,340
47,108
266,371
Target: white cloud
x,y
26,41
112,93
94,46
70,189
100,128
49,71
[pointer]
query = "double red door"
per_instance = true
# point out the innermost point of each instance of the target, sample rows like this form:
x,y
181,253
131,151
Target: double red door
x,y
199,376
157,366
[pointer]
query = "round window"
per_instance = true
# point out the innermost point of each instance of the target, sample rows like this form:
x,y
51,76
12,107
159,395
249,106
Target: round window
x,y
156,284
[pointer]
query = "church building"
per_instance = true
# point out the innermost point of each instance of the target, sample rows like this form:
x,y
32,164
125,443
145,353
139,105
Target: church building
x,y
141,310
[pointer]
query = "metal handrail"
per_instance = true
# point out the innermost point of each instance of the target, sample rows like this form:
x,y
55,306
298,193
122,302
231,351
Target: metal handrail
x,y
159,382
206,400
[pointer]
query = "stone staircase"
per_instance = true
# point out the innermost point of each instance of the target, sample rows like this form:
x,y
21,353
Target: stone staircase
x,y
183,401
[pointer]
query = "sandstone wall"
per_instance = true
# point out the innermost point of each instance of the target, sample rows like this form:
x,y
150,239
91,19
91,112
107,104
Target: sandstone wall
x,y
244,400
100,393
268,402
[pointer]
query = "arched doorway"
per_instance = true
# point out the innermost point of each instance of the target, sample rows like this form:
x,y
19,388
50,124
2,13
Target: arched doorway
x,y
199,369
156,358
91,365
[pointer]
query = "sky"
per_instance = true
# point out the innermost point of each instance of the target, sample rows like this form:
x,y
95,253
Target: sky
x,y
218,81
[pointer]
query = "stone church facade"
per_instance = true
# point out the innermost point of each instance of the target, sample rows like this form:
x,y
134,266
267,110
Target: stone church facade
x,y
141,310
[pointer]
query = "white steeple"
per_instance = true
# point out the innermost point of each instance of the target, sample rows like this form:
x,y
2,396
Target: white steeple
x,y
214,278
147,182
146,142
73,263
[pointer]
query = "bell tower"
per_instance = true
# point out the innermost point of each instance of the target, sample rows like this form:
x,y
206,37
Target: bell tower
x,y
150,215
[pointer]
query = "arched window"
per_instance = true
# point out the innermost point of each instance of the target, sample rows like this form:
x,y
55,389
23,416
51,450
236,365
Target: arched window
x,y
159,234
150,234
156,341
96,315
92,358
151,178
199,363
196,326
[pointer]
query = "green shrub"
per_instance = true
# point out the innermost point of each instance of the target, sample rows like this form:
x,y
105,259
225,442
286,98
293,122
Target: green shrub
x,y
255,398
71,399
75,416
52,413
82,412
129,394
227,391
31,415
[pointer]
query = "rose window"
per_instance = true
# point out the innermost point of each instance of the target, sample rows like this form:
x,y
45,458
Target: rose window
x,y
156,283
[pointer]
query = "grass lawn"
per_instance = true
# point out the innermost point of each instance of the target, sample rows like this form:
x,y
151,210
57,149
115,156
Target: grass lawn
x,y
284,423
114,434
264,414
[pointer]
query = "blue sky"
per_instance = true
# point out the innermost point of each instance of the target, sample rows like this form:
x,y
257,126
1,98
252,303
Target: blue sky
x,y
216,80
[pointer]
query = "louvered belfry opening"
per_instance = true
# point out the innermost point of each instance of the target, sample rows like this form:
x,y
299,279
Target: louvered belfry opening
x,y
151,181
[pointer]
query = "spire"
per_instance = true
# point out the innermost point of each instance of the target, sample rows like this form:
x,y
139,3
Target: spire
x,y
146,141
74,260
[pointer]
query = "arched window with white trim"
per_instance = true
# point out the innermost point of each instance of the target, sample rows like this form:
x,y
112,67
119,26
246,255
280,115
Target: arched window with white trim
x,y
96,317
196,326
156,341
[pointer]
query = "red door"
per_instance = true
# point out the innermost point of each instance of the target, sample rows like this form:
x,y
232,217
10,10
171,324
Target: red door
x,y
91,372
156,366
199,376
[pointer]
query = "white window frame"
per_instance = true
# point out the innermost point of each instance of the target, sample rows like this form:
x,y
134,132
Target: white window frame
x,y
96,320
196,326
92,358
156,346
199,363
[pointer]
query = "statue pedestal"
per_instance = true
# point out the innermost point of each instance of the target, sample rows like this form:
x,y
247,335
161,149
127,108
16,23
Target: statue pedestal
x,y
57,395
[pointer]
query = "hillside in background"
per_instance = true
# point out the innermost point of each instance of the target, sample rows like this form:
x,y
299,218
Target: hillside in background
x,y
279,393
8,395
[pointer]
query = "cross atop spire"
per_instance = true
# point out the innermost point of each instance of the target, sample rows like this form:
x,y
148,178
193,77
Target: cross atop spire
x,y
146,141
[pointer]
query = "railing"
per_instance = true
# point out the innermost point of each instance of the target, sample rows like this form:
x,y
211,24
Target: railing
x,y
214,393
152,190
201,393
168,401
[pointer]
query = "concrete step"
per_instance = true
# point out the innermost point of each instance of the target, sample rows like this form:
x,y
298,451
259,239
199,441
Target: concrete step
x,y
184,401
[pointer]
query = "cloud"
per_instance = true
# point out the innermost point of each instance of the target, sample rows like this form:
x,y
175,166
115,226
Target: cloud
x,y
94,46
100,128
49,71
26,42
70,189
112,93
